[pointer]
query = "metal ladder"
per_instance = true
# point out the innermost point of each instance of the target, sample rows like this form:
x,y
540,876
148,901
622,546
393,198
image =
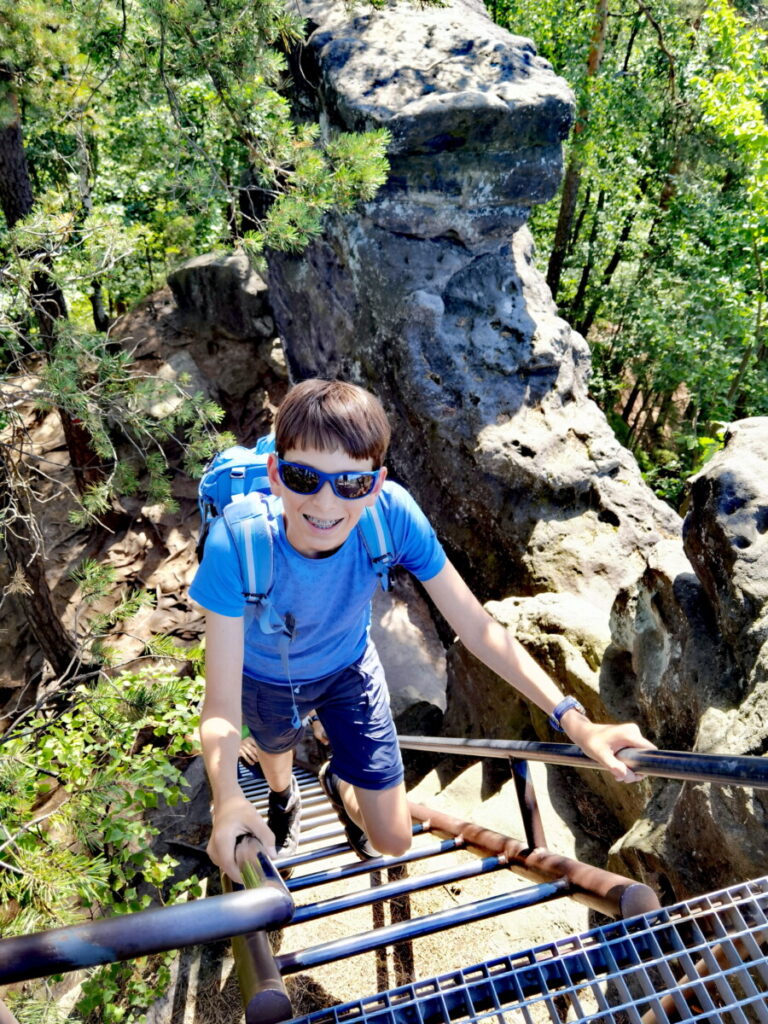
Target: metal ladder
x,y
491,988
705,959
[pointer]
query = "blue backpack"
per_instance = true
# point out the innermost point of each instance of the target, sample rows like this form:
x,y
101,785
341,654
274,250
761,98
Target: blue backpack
x,y
235,485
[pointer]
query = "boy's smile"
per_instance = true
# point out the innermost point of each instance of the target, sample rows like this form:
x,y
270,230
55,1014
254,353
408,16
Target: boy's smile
x,y
316,525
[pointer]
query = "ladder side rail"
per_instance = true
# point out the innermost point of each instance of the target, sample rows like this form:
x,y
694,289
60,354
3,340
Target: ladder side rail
x,y
604,891
528,804
265,999
720,769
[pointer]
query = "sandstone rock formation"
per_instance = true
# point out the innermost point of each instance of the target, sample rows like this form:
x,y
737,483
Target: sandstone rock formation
x,y
698,647
430,295
222,295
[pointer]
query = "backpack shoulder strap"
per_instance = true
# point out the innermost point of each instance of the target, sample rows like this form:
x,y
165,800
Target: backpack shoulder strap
x,y
377,539
248,523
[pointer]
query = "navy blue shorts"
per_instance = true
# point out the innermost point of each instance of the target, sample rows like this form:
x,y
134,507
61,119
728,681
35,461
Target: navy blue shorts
x,y
353,706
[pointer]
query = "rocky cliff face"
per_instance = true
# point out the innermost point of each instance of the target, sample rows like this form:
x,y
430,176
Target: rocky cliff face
x,y
698,651
429,295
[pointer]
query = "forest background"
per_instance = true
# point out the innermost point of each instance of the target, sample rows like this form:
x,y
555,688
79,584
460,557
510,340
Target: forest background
x,y
139,133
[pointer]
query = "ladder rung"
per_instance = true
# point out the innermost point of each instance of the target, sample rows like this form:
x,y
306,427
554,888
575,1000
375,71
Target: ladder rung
x,y
375,864
327,818
375,894
315,813
324,810
259,792
332,851
316,834
306,802
340,949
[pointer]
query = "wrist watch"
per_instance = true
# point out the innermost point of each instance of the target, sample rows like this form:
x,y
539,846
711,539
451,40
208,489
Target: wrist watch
x,y
566,704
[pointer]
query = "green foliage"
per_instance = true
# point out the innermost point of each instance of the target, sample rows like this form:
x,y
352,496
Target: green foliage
x,y
94,579
147,124
119,992
152,129
166,647
665,262
74,787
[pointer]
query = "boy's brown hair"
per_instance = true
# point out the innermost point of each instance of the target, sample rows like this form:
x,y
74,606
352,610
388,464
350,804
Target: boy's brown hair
x,y
332,414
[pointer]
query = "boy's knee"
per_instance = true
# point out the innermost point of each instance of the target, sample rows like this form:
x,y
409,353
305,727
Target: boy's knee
x,y
391,843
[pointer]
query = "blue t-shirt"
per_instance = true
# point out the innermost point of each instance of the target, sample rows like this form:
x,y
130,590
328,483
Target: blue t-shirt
x,y
330,598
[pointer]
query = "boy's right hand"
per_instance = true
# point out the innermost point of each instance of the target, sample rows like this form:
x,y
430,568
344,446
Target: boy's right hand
x,y
232,818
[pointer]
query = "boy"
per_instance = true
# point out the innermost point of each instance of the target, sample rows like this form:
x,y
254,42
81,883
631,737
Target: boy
x,y
331,439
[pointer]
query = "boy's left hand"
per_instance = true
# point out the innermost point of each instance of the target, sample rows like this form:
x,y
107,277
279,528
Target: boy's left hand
x,y
249,752
603,742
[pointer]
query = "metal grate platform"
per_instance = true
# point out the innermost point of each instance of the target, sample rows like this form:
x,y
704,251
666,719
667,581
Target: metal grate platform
x,y
705,959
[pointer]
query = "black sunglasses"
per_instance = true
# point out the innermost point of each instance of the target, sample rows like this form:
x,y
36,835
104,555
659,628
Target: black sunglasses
x,y
307,480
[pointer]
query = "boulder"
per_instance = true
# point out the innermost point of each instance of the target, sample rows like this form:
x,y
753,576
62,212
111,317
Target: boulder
x,y
410,650
222,295
476,117
570,639
725,537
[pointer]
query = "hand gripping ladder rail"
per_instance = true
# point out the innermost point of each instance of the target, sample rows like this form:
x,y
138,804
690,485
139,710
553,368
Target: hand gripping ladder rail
x,y
705,959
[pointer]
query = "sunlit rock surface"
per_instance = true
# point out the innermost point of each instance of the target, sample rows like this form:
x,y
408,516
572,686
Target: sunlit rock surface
x,y
430,296
699,667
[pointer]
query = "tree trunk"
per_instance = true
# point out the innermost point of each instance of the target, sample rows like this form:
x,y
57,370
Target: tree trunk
x,y
643,429
586,271
635,427
570,193
15,186
572,178
605,280
17,201
27,564
580,221
662,416
46,298
101,320
629,405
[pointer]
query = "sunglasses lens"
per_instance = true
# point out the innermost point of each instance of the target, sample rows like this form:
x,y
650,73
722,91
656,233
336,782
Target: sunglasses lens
x,y
300,479
355,485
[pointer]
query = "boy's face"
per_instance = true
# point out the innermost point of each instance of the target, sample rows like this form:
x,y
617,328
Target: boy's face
x,y
318,524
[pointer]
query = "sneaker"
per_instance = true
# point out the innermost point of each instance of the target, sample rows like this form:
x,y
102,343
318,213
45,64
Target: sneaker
x,y
356,837
285,821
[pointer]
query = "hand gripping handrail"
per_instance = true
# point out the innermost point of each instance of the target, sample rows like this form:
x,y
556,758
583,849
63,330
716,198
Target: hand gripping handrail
x,y
721,769
267,904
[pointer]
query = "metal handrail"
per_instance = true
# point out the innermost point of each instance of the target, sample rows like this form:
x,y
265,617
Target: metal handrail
x,y
721,769
270,905
267,904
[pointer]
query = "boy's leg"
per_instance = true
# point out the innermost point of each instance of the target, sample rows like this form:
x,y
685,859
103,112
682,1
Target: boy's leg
x,y
382,814
277,768
365,772
268,713
283,802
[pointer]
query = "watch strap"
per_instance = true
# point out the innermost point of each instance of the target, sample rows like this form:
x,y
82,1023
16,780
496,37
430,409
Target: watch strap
x,y
566,704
